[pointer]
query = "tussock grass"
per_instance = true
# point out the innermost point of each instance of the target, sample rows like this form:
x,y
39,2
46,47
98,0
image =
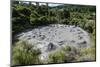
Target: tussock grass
x,y
23,53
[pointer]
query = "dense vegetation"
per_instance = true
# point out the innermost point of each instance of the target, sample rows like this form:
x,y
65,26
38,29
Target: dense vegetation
x,y
25,54
26,16
29,16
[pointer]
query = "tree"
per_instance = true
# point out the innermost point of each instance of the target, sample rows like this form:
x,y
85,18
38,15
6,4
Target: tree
x,y
66,13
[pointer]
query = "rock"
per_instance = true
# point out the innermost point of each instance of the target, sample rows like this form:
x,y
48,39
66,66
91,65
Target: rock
x,y
61,42
84,42
51,46
42,37
80,37
33,36
73,41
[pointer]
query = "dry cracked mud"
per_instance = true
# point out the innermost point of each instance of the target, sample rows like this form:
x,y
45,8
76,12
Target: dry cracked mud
x,y
54,36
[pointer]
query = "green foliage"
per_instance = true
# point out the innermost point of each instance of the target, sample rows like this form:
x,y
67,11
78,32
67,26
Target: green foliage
x,y
66,54
52,20
67,48
29,16
89,51
66,13
87,54
42,10
57,57
90,27
23,53
72,54
20,18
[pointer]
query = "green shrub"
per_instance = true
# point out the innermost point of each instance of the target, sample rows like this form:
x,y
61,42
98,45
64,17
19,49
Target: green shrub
x,y
87,54
65,21
23,53
25,11
66,54
52,20
88,27
67,48
57,57
71,53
